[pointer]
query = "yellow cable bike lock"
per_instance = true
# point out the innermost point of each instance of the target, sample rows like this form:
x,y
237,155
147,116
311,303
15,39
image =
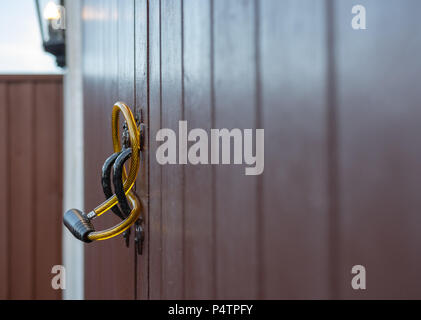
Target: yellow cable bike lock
x,y
79,223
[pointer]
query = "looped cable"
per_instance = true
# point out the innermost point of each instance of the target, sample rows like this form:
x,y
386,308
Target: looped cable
x,y
80,223
119,190
135,145
106,182
106,185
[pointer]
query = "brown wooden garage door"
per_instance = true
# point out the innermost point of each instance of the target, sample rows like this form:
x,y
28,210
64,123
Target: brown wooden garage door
x,y
340,109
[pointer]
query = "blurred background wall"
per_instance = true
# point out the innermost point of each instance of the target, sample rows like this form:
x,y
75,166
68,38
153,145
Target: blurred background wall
x,y
31,158
31,136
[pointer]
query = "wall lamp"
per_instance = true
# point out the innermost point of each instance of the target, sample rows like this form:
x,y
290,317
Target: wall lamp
x,y
52,24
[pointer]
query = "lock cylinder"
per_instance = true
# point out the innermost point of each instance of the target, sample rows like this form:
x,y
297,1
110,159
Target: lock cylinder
x,y
78,224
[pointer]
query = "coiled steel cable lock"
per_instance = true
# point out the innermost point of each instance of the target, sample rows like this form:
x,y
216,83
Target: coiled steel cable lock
x,y
124,202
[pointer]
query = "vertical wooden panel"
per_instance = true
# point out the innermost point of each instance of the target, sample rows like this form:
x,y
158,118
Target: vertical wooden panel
x,y
4,193
236,216
47,169
21,211
142,105
198,258
92,65
295,222
172,175
108,77
94,287
124,257
379,115
155,170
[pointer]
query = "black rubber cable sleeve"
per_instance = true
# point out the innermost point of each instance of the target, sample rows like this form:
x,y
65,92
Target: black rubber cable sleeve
x,y
106,182
118,180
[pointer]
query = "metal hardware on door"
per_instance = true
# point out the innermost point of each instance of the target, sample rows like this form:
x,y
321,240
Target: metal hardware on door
x,y
139,236
124,203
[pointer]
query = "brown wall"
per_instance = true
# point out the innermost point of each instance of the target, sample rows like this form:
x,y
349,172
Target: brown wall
x,y
31,185
340,109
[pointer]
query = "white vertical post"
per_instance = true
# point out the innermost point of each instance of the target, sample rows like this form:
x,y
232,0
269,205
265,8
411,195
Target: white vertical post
x,y
73,195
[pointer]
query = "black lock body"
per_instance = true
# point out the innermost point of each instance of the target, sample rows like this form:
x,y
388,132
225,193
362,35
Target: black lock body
x,y
78,224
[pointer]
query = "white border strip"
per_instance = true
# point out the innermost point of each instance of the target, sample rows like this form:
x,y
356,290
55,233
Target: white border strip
x,y
73,192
